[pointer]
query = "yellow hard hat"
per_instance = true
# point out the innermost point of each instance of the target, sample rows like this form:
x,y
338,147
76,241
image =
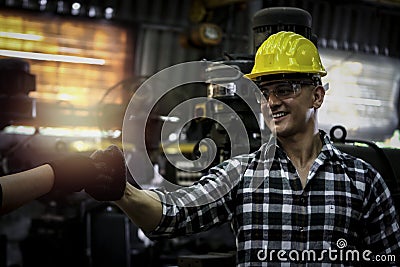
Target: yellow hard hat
x,y
286,52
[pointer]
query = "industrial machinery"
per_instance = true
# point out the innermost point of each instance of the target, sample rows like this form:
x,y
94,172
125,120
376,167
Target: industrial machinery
x,y
228,97
16,82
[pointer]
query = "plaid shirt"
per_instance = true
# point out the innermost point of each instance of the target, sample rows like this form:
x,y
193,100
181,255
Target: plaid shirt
x,y
345,206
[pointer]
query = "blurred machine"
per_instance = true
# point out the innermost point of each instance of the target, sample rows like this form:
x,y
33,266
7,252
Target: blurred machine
x,y
71,220
223,92
16,82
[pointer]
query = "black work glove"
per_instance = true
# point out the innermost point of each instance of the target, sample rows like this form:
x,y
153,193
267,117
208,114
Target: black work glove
x,y
110,183
102,175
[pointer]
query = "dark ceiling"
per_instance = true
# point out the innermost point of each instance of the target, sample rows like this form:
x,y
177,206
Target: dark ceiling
x,y
369,26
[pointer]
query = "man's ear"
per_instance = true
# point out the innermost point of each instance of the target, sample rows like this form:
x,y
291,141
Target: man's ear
x,y
318,96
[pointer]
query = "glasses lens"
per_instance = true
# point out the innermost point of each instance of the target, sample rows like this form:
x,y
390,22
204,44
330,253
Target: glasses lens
x,y
281,90
284,90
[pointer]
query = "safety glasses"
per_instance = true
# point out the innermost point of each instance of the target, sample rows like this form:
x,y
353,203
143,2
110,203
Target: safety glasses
x,y
281,90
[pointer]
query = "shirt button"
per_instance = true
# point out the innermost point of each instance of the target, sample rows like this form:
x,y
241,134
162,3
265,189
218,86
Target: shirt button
x,y
302,200
302,229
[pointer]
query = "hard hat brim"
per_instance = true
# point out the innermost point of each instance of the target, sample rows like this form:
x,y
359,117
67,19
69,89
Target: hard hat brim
x,y
253,76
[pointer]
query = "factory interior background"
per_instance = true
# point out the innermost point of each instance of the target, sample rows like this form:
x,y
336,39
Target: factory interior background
x,y
68,70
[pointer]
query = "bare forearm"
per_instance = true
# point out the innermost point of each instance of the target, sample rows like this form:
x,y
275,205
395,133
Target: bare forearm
x,y
23,187
143,207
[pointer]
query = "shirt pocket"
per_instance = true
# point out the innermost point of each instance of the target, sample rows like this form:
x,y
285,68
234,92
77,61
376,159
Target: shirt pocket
x,y
342,222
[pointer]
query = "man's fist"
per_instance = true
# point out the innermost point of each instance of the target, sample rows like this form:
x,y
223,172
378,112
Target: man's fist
x,y
111,181
102,175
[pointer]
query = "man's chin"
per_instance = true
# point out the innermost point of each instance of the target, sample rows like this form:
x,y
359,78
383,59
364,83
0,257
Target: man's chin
x,y
282,132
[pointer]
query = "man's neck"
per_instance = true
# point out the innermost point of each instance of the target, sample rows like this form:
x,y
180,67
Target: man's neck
x,y
302,148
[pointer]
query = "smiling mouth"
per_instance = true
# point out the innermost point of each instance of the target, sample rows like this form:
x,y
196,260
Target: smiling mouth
x,y
279,115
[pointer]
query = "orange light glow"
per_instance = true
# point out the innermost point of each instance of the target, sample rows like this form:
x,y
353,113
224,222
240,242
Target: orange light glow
x,y
74,61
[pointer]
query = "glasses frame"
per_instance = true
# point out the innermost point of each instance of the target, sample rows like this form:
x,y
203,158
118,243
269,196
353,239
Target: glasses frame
x,y
295,85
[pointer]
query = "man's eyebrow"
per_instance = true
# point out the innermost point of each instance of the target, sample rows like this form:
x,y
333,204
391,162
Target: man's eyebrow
x,y
272,82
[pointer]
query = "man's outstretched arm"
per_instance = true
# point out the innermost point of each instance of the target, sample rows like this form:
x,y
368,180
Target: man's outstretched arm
x,y
143,207
23,187
102,176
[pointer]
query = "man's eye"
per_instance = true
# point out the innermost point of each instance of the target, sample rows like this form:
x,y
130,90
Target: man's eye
x,y
283,91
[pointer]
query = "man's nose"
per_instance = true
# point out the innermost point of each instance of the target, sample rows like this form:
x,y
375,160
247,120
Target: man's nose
x,y
273,101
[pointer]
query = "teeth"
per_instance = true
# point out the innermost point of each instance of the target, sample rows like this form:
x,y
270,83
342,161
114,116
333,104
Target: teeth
x,y
278,115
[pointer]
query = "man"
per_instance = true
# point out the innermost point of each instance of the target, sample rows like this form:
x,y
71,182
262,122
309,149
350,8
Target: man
x,y
314,201
315,204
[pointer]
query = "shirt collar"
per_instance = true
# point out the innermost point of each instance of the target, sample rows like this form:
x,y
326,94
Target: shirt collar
x,y
328,151
328,148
